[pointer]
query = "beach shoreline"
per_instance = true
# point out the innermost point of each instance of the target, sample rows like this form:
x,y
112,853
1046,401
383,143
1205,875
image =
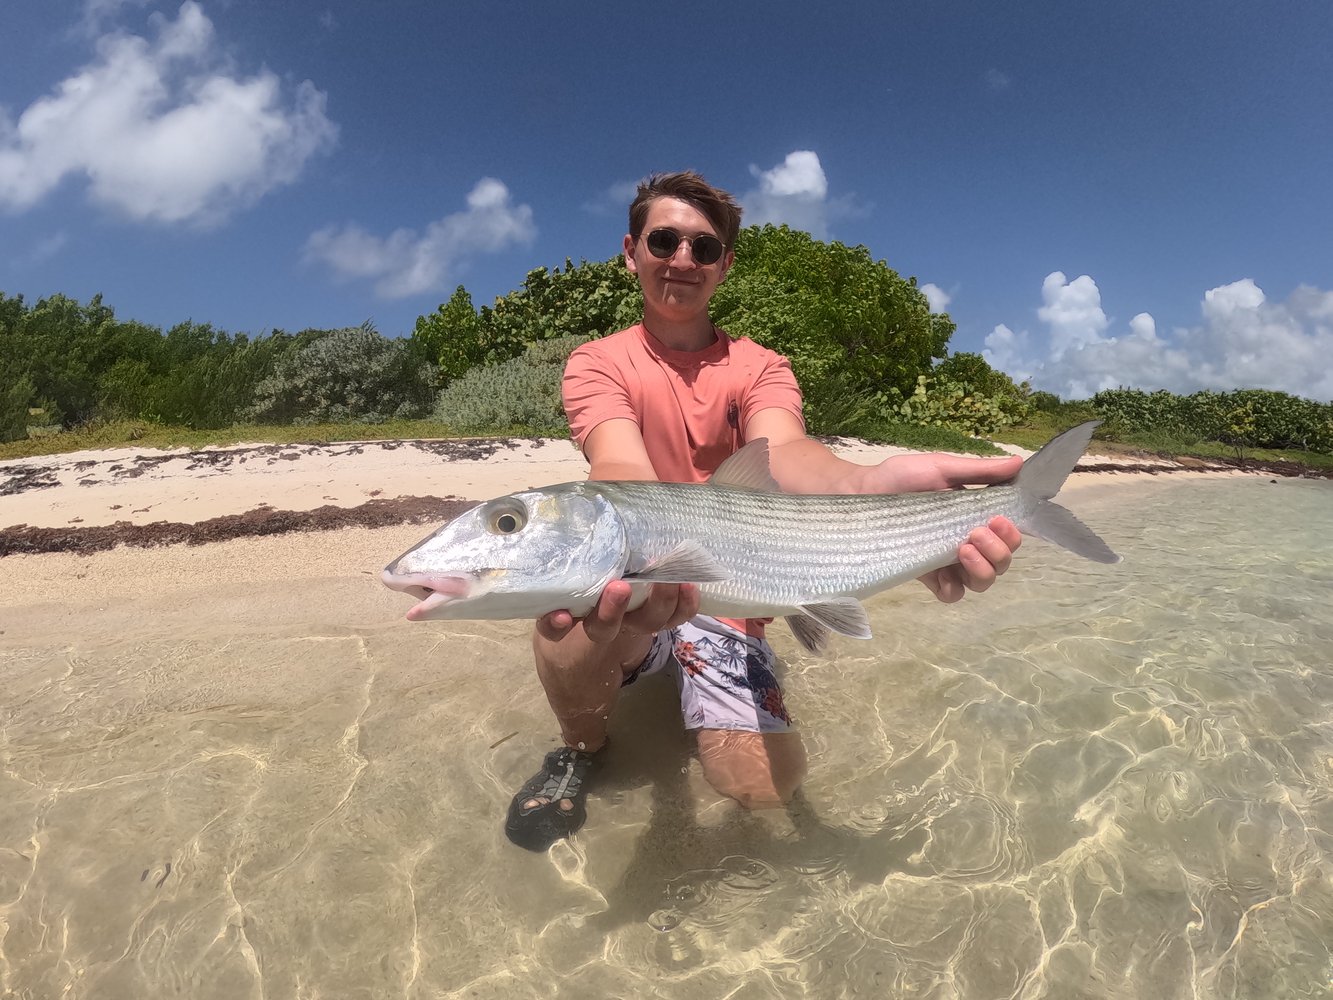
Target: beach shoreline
x,y
92,501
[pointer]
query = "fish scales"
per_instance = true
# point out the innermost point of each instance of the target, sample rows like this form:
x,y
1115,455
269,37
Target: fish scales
x,y
785,550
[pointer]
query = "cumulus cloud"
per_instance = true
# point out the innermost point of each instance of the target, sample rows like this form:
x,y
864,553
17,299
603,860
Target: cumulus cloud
x,y
613,200
1243,341
405,263
938,298
997,81
163,130
796,193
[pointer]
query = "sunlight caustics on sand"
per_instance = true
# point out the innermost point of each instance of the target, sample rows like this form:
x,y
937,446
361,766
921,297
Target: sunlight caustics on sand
x,y
239,773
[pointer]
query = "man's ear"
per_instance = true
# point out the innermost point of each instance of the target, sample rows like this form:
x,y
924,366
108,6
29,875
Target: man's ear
x,y
629,254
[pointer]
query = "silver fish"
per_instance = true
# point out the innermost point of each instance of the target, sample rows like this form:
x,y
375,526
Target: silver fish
x,y
754,551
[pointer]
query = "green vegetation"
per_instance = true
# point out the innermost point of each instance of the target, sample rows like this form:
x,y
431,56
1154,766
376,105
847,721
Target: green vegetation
x,y
871,357
850,325
344,375
523,392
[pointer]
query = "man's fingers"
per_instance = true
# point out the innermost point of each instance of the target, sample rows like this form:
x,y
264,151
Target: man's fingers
x,y
555,626
605,620
667,606
946,584
978,471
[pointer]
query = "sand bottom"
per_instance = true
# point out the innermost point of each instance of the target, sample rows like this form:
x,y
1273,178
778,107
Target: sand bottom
x,y
233,770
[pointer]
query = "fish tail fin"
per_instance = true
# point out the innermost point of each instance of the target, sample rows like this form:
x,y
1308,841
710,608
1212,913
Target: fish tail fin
x,y
1045,473
1042,477
1055,524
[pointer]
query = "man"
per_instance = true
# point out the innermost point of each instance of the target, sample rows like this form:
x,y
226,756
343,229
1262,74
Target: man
x,y
670,399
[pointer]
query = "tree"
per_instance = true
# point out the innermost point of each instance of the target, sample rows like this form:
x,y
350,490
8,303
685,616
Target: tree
x,y
974,372
450,336
15,392
590,299
846,321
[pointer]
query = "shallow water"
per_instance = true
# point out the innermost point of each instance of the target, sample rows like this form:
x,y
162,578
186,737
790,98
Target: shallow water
x,y
1091,782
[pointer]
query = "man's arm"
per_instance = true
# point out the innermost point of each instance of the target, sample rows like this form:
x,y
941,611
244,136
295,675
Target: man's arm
x,y
801,464
615,451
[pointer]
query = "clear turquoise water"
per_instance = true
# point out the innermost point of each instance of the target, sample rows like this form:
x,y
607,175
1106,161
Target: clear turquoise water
x,y
1091,782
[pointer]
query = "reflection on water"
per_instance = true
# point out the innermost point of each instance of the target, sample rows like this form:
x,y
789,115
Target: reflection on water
x,y
1091,782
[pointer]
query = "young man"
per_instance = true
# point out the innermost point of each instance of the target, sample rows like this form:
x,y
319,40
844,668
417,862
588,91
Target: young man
x,y
670,399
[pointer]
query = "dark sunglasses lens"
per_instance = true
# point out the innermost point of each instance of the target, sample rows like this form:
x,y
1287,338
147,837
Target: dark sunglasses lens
x,y
706,249
662,243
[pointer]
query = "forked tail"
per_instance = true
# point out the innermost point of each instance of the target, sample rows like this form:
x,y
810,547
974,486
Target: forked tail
x,y
1041,478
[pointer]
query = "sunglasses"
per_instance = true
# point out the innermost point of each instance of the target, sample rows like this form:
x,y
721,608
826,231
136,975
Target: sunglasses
x,y
705,249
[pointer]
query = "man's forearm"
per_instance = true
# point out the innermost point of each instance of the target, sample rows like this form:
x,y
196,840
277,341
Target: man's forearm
x,y
807,466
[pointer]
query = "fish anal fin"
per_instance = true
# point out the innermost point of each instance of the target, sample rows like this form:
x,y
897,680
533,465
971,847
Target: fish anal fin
x,y
747,469
809,633
844,615
688,562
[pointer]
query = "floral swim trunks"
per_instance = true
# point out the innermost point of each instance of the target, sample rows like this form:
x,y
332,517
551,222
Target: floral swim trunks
x,y
725,677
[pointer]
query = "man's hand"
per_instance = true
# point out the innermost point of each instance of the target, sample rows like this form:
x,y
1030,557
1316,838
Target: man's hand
x,y
988,550
668,605
984,556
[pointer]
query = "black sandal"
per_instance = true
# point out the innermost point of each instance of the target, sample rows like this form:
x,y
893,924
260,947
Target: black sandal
x,y
563,777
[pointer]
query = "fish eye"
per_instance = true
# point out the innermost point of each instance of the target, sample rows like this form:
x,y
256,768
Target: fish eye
x,y
507,518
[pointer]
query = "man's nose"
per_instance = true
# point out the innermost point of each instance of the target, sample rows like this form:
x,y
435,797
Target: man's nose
x,y
684,255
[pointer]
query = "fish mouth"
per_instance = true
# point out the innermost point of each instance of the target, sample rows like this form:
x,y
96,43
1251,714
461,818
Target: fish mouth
x,y
432,590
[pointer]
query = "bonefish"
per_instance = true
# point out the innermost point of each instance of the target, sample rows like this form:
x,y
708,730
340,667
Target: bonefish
x,y
754,551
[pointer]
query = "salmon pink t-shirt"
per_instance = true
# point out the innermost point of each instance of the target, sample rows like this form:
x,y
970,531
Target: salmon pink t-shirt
x,y
691,406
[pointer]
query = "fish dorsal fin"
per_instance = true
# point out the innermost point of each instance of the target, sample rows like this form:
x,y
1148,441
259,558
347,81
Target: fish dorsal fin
x,y
688,562
747,469
809,633
843,615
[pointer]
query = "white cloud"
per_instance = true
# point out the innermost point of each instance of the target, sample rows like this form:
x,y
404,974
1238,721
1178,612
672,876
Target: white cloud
x,y
997,81
404,263
1073,309
1244,341
162,130
614,200
795,193
938,298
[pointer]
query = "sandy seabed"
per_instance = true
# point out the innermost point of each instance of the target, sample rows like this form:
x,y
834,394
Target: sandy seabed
x,y
229,768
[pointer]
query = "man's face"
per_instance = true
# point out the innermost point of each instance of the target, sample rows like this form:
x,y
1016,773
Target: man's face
x,y
678,288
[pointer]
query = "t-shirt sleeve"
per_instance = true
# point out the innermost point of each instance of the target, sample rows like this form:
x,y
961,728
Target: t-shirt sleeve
x,y
593,391
775,386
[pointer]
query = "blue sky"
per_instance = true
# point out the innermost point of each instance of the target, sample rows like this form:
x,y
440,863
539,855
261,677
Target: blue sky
x,y
1107,194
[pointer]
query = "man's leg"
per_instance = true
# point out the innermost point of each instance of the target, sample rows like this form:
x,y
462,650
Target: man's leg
x,y
582,681
758,770
731,698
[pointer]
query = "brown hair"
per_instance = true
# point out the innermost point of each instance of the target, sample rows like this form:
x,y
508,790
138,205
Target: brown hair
x,y
720,207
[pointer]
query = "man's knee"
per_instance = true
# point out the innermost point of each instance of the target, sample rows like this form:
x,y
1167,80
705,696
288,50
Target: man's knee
x,y
758,770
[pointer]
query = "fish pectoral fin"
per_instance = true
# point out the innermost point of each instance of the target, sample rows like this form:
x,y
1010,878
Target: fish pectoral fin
x,y
844,615
747,469
809,633
688,562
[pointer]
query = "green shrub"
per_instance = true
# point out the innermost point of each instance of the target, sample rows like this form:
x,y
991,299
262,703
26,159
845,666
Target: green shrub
x,y
942,403
1259,418
352,374
521,393
1044,402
